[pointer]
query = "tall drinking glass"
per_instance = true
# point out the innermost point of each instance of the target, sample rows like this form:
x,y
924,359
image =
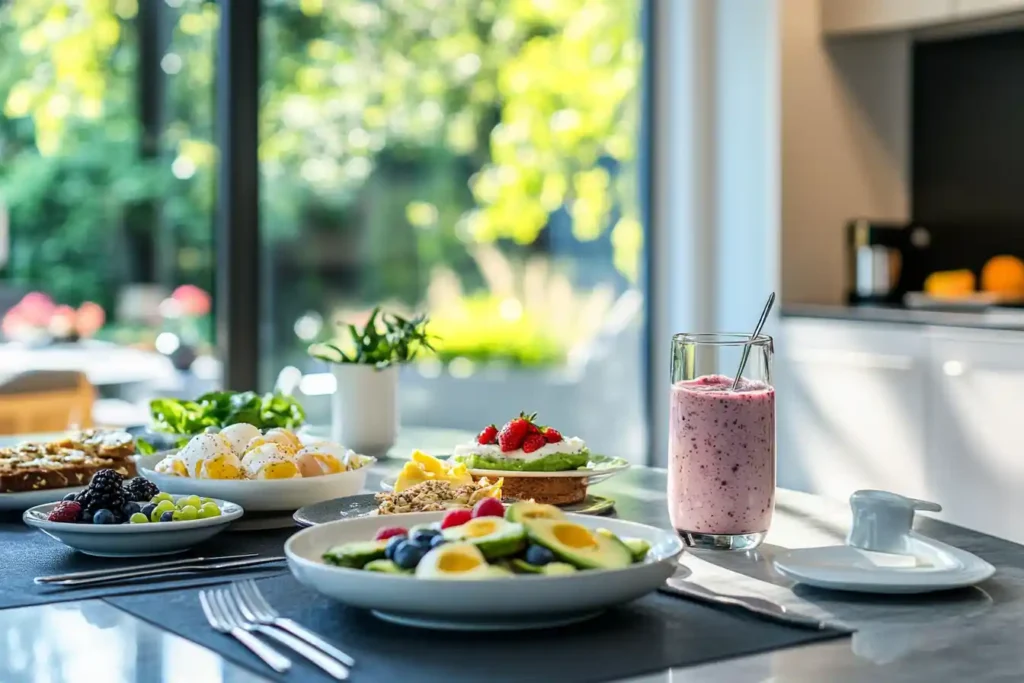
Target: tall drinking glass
x,y
721,476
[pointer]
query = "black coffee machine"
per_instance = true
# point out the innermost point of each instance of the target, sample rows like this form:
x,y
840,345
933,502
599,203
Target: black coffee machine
x,y
885,260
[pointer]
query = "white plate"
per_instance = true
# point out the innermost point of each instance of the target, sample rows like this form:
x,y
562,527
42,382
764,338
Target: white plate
x,y
133,540
845,568
515,603
15,502
593,476
266,495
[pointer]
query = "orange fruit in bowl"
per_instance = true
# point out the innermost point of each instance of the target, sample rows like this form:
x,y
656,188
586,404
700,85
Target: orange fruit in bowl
x,y
1003,275
950,283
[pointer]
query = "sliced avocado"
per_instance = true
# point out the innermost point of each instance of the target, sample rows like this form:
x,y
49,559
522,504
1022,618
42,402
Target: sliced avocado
x,y
523,567
557,569
494,536
355,555
495,571
384,567
578,545
517,512
638,547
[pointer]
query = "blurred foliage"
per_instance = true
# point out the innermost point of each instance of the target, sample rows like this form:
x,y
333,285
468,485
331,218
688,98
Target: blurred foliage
x,y
396,135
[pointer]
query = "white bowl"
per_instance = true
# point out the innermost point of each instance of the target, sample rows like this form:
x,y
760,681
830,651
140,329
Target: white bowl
x,y
513,603
266,495
133,540
22,500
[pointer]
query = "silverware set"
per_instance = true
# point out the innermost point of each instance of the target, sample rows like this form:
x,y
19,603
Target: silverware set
x,y
241,611
195,565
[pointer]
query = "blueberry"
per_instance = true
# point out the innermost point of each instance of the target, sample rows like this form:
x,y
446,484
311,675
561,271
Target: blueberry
x,y
389,550
407,555
437,540
423,537
148,510
103,517
538,555
168,516
70,496
130,509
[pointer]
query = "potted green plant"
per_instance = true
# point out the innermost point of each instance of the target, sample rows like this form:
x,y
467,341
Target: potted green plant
x,y
365,362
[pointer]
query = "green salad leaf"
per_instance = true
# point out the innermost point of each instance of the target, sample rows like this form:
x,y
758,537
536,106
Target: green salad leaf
x,y
223,408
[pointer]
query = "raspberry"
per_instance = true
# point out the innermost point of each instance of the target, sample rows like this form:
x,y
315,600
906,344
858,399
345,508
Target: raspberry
x,y
552,435
514,432
456,518
389,531
489,507
488,436
65,511
533,442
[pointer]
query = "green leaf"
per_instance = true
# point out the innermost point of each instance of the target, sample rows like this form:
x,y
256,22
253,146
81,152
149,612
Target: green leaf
x,y
145,447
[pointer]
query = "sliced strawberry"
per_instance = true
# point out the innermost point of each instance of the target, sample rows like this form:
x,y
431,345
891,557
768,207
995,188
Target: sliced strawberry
x,y
533,442
456,518
389,531
487,436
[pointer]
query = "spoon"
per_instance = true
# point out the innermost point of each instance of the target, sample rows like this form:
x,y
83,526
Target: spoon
x,y
757,330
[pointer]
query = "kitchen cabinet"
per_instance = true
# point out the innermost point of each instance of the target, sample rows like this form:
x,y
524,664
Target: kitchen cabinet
x,y
851,407
839,17
976,424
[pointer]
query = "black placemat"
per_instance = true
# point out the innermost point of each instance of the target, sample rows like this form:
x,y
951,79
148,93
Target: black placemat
x,y
654,633
26,553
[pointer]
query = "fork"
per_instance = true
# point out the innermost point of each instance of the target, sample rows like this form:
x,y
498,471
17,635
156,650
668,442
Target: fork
x,y
221,621
249,594
234,603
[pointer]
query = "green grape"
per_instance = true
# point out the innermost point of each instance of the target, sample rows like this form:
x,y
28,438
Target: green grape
x,y
161,497
161,507
188,513
189,500
206,500
138,518
209,510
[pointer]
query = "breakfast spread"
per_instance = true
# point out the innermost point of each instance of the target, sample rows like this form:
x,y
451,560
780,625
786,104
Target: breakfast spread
x,y
490,542
243,451
431,496
109,499
66,462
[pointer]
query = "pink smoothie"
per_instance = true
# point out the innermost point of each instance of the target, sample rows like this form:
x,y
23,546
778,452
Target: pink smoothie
x,y
721,456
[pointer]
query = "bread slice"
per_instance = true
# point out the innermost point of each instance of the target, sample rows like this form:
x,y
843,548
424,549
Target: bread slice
x,y
70,461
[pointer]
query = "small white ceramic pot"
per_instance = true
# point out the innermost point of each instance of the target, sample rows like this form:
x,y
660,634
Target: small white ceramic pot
x,y
364,408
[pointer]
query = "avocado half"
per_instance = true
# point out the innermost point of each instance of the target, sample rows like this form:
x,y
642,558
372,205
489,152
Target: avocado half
x,y
355,555
577,545
494,536
522,511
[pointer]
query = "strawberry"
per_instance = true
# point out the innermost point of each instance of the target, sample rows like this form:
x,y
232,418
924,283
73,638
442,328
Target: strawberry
x,y
456,517
488,507
389,531
552,435
533,442
514,432
488,436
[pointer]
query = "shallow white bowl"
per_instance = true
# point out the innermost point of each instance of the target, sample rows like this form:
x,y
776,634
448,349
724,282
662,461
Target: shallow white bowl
x,y
263,495
513,603
133,540
13,502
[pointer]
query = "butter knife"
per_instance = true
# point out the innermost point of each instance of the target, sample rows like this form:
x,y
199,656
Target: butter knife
x,y
760,607
167,571
116,571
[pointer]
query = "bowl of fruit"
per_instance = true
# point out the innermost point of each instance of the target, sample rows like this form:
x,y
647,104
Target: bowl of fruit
x,y
117,518
439,569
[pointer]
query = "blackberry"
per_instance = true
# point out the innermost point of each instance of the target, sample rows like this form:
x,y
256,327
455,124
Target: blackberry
x,y
103,492
140,490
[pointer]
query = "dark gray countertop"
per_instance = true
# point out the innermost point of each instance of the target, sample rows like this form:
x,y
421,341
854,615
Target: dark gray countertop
x,y
970,634
991,319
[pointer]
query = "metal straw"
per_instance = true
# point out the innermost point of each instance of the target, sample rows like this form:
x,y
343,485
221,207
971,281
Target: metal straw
x,y
757,330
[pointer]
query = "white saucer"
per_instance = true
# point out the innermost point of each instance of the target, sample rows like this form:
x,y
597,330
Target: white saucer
x,y
842,567
487,624
23,500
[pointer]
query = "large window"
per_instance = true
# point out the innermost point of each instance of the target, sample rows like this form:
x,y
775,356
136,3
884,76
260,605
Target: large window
x,y
473,159
476,159
106,192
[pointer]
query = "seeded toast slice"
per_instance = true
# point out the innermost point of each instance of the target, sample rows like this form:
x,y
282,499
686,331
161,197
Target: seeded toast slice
x,y
70,461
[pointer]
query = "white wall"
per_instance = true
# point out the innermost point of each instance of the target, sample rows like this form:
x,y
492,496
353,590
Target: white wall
x,y
845,151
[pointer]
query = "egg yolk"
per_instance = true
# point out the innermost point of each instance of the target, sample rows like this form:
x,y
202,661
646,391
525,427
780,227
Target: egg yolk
x,y
220,468
457,562
279,470
329,464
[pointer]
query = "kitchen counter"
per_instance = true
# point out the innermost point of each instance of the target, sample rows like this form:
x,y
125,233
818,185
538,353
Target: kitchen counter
x,y
992,319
